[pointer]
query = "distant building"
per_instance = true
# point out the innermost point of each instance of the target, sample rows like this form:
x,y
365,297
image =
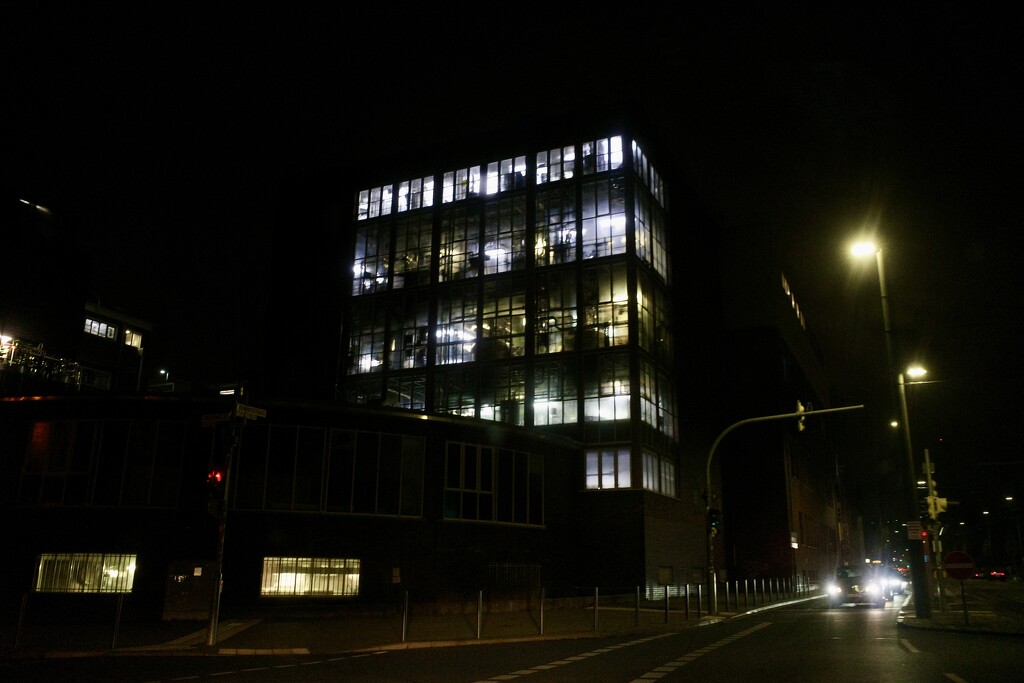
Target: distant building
x,y
785,512
52,341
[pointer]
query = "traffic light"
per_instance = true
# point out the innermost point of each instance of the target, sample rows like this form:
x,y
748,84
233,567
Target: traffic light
x,y
215,479
714,521
936,506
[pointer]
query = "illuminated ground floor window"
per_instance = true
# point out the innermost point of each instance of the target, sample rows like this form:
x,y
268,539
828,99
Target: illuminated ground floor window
x,y
85,573
309,576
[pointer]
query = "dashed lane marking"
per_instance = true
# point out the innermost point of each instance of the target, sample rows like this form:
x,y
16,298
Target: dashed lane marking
x,y
570,660
669,667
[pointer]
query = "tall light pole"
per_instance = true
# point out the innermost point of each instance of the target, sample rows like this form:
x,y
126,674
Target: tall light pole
x,y
918,572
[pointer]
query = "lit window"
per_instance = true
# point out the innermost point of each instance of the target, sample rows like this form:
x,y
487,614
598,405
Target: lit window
x,y
608,468
85,573
416,193
506,175
309,577
659,473
373,203
601,155
556,164
133,339
100,329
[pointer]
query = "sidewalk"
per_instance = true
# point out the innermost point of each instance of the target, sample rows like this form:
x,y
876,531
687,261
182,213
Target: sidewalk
x,y
983,615
378,632
367,632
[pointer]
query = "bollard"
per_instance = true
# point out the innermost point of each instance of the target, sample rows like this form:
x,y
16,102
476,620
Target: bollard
x,y
699,590
666,604
686,602
746,594
636,608
595,608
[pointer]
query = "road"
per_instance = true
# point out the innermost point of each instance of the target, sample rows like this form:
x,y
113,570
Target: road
x,y
801,642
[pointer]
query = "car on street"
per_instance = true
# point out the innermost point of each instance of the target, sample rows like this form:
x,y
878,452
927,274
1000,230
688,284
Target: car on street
x,y
859,586
896,582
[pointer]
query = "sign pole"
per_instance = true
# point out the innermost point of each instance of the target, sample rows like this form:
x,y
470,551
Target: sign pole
x,y
963,601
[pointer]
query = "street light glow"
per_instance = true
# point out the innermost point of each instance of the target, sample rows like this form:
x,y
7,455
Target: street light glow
x,y
915,371
864,249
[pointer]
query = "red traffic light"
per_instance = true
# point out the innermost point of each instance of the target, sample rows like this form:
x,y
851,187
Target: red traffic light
x,y
215,477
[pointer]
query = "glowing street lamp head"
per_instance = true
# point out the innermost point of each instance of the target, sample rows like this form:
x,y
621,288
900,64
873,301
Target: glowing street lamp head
x,y
867,248
915,371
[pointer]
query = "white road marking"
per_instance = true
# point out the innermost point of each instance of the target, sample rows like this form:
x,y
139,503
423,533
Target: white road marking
x,y
910,648
570,660
669,667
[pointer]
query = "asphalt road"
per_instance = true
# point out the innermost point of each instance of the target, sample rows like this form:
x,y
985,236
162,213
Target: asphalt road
x,y
802,642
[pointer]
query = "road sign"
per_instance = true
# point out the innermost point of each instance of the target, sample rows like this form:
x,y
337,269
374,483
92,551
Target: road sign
x,y
249,412
914,530
958,565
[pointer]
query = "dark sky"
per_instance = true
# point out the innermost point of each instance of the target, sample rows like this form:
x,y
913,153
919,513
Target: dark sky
x,y
162,132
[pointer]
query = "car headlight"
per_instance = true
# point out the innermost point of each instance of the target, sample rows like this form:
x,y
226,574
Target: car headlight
x,y
871,588
833,589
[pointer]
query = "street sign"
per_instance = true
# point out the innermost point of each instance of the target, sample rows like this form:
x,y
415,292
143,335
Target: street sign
x,y
914,530
249,412
958,565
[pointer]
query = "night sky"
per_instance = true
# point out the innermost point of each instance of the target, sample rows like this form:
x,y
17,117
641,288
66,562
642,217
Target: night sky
x,y
163,133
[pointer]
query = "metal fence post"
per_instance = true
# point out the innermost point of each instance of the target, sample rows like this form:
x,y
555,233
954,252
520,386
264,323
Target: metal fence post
x,y
405,617
117,621
542,611
479,613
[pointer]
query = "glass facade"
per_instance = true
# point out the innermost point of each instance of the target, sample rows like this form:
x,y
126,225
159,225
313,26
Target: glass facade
x,y
542,299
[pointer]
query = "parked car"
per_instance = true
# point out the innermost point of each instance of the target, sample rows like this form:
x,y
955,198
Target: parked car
x,y
858,586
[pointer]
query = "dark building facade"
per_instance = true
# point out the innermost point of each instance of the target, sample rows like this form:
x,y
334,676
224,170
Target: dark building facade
x,y
325,503
784,507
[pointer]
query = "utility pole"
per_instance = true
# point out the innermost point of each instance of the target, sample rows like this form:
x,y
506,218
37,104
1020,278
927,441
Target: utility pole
x,y
242,414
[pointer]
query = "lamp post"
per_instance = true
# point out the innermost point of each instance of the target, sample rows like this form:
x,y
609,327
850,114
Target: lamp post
x,y
918,572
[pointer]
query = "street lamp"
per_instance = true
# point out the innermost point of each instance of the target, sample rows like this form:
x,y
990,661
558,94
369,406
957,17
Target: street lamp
x,y
919,574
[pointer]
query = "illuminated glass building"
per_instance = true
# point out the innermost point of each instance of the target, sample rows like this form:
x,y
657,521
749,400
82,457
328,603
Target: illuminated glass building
x,y
532,288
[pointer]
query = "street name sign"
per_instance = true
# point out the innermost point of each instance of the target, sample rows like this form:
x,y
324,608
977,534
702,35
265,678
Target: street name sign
x,y
249,412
